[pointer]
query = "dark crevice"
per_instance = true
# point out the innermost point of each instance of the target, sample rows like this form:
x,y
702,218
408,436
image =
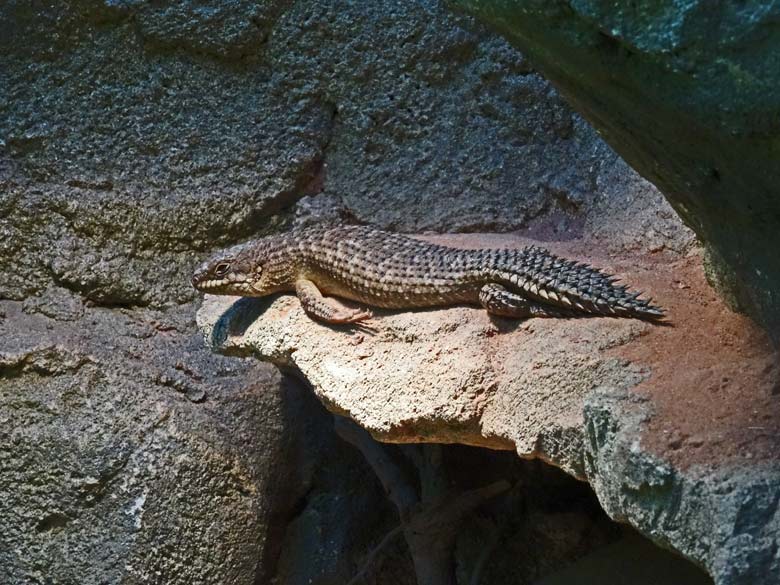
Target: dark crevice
x,y
92,296
310,182
548,528
52,521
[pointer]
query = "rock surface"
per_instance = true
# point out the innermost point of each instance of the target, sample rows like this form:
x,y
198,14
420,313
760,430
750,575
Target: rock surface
x,y
687,94
125,451
681,443
129,453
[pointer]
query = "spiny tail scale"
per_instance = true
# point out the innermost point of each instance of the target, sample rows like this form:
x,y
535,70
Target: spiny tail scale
x,y
575,286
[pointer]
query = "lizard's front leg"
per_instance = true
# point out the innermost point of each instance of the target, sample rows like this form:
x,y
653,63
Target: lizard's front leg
x,y
321,308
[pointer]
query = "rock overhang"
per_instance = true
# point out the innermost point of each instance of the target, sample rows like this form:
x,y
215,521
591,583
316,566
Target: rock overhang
x,y
626,405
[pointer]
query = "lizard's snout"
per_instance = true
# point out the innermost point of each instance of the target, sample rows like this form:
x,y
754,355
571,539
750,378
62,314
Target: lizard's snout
x,y
197,279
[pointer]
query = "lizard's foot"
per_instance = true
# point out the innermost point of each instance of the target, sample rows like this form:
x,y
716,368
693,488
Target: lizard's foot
x,y
350,316
500,301
326,309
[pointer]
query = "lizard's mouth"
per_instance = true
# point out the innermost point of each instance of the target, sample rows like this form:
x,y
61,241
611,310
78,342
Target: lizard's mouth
x,y
220,286
204,281
209,285
204,284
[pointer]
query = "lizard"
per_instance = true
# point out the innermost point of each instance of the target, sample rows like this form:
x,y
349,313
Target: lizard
x,y
395,271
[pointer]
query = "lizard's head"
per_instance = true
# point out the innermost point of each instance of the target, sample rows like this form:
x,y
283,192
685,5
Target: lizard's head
x,y
234,271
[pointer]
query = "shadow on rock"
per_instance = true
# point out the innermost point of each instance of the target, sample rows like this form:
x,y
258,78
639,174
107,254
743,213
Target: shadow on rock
x,y
235,321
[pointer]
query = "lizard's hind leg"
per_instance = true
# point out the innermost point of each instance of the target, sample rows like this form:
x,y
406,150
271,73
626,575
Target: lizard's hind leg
x,y
499,300
321,308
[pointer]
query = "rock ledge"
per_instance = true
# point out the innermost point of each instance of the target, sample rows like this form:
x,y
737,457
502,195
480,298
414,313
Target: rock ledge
x,y
674,426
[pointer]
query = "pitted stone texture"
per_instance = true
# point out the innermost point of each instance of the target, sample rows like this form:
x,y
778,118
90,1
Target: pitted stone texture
x,y
724,517
130,454
457,376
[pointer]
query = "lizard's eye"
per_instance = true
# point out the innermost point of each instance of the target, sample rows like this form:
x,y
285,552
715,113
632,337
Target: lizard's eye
x,y
222,269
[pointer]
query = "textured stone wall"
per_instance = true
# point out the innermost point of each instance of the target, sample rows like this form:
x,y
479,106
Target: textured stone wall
x,y
120,451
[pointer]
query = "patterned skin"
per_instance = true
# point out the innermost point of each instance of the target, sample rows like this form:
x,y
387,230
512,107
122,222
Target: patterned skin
x,y
394,271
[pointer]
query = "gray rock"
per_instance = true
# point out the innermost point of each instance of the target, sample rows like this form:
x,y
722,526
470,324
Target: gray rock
x,y
134,138
725,517
129,455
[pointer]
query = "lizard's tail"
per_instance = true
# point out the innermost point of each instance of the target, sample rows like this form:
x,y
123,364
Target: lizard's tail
x,y
574,286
